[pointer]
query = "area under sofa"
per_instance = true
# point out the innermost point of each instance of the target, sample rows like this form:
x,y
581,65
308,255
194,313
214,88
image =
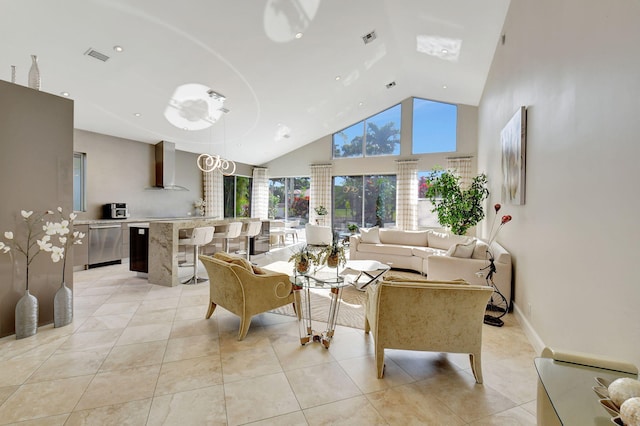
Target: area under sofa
x,y
438,255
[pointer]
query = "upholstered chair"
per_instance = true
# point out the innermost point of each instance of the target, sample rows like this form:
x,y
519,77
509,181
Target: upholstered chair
x,y
422,315
244,289
318,235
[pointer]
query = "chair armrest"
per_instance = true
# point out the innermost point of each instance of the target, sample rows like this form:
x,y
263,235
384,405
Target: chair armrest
x,y
269,286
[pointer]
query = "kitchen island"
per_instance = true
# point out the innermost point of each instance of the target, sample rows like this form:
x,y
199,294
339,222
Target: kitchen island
x,y
163,245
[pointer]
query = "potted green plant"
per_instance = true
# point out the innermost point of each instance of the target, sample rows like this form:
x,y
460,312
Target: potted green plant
x,y
353,228
333,254
302,258
457,208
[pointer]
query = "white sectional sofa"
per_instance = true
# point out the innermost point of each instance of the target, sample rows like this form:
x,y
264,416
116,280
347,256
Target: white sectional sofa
x,y
438,255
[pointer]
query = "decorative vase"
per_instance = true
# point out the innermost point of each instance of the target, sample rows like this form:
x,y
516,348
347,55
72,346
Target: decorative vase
x,y
26,316
34,73
302,266
333,260
63,306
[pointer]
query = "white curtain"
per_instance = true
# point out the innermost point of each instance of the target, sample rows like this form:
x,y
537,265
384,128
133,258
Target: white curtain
x,y
213,194
320,192
461,166
407,195
260,193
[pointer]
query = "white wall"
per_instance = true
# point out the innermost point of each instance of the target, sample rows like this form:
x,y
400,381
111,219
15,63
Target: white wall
x,y
296,163
574,64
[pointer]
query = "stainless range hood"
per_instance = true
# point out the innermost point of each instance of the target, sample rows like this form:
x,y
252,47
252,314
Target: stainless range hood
x,y
166,167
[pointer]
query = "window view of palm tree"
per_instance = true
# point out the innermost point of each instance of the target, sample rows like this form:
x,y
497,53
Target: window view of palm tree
x,y
377,135
364,201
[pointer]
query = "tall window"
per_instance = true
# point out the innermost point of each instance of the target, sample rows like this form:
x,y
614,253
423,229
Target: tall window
x,y
434,126
79,177
364,200
426,217
289,198
237,196
377,135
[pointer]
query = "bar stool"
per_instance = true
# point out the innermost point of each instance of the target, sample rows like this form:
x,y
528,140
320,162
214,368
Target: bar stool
x,y
253,229
199,237
233,231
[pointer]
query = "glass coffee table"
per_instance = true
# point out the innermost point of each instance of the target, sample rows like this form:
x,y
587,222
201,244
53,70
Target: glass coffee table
x,y
359,273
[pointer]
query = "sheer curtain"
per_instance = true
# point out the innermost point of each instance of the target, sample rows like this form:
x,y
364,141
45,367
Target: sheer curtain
x,y
320,192
260,193
213,194
407,195
462,167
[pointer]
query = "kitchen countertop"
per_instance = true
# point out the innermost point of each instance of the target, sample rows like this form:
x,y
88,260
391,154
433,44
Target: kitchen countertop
x,y
137,220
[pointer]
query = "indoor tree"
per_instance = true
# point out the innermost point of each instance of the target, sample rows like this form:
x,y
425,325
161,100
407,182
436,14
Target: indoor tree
x,y
457,208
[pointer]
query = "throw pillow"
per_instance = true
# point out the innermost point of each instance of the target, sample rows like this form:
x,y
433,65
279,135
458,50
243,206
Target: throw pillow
x,y
370,235
234,260
444,241
258,270
462,250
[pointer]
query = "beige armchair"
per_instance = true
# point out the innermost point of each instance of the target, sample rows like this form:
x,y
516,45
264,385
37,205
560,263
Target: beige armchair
x,y
422,315
243,289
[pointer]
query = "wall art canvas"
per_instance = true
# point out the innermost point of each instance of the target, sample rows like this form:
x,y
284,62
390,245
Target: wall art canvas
x,y
513,140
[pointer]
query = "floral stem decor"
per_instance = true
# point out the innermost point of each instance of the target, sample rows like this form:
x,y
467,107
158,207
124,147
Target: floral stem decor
x,y
498,305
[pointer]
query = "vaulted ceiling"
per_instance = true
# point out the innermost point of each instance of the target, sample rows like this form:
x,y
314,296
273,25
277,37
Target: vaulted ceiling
x,y
291,71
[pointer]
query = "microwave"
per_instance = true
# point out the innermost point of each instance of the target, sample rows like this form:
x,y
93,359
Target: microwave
x,y
115,211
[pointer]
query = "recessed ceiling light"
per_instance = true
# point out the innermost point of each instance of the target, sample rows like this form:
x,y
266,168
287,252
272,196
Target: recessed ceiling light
x,y
444,86
118,48
299,35
444,51
137,114
337,78
65,94
360,104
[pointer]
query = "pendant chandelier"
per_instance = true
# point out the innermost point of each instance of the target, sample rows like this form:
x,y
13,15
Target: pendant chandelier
x,y
214,162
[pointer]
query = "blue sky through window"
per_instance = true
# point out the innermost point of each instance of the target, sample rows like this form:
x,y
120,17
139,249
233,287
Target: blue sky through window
x,y
434,126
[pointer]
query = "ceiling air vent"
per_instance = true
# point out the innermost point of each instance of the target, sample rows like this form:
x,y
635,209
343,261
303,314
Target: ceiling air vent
x,y
368,38
95,54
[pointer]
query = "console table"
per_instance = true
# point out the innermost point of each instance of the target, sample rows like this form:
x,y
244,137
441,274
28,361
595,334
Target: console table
x,y
565,394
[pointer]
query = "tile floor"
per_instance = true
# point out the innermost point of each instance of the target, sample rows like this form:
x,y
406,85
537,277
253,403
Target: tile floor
x,y
141,354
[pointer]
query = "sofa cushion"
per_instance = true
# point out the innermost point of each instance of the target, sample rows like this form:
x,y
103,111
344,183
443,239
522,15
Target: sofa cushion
x,y
404,238
390,249
370,235
463,250
444,240
403,279
424,252
480,250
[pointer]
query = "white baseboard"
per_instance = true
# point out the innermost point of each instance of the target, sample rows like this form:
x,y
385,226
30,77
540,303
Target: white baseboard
x,y
534,339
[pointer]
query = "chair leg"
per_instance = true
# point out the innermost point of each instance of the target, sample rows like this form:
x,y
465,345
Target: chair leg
x,y
476,367
380,361
367,327
212,307
244,327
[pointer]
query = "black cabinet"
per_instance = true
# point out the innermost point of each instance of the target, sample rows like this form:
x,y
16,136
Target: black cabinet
x,y
139,248
261,242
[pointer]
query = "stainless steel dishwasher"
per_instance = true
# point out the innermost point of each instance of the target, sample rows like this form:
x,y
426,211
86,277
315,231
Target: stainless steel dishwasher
x,y
105,243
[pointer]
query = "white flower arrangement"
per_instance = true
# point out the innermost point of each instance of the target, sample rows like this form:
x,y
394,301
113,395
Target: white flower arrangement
x,y
200,205
38,239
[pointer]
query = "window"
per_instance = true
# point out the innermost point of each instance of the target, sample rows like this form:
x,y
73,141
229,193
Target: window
x,y
434,126
364,200
237,196
377,135
426,217
79,178
289,198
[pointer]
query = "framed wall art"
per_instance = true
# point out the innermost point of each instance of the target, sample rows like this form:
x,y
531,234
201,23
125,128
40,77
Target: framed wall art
x,y
513,140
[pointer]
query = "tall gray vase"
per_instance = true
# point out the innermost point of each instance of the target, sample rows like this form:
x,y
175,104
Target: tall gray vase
x,y
34,73
63,306
26,316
